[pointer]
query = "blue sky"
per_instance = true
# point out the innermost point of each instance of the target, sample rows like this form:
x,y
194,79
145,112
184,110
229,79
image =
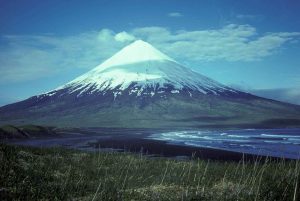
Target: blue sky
x,y
252,45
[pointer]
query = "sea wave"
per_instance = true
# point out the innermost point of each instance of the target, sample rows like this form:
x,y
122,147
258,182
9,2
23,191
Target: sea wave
x,y
255,141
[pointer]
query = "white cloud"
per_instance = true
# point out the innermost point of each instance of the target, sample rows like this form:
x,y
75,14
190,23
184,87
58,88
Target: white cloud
x,y
249,17
175,14
105,35
124,37
30,57
231,43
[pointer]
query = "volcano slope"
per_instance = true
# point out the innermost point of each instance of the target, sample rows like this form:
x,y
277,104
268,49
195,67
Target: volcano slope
x,y
140,87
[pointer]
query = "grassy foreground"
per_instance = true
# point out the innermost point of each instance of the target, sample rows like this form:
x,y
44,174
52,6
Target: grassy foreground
x,y
61,174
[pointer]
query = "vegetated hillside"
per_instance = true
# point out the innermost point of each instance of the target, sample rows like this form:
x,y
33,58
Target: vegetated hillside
x,y
25,131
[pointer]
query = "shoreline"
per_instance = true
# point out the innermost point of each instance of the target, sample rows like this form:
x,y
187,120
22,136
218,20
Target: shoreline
x,y
157,148
136,141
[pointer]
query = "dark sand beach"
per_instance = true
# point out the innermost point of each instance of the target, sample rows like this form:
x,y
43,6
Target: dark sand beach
x,y
133,141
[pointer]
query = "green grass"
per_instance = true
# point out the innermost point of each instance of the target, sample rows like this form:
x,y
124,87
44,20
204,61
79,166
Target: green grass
x,y
61,174
9,128
10,131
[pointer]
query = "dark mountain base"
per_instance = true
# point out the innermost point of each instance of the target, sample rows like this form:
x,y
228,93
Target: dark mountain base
x,y
170,111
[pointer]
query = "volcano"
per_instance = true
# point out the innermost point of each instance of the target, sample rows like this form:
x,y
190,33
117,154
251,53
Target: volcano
x,y
140,86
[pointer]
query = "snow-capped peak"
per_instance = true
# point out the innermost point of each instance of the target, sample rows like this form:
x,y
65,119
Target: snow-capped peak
x,y
136,52
141,67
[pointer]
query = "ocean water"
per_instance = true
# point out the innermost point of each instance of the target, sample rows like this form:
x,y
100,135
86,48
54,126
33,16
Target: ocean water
x,y
284,143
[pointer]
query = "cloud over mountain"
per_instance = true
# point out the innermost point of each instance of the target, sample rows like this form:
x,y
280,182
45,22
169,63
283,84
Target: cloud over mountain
x,y
26,57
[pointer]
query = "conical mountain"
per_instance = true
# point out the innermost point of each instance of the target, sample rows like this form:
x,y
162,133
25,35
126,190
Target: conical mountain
x,y
140,86
138,69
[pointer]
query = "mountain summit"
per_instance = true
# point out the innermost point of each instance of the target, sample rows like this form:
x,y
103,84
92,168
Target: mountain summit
x,y
139,69
140,86
136,52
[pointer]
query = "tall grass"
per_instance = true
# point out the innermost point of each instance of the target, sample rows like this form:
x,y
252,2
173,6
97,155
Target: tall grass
x,y
61,174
